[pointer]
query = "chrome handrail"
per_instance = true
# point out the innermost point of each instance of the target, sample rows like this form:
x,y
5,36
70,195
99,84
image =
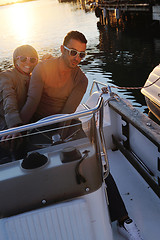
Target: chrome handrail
x,y
96,83
53,120
103,143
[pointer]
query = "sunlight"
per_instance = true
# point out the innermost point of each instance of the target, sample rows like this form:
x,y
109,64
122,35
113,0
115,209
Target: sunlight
x,y
8,1
20,21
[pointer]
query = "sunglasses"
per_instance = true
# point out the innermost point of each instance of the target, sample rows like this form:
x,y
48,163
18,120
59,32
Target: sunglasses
x,y
24,59
73,52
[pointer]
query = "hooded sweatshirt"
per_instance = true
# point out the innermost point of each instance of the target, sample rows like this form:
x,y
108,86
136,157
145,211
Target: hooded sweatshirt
x,y
13,94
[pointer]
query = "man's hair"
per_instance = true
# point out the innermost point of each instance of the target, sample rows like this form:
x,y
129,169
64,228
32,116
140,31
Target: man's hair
x,y
76,36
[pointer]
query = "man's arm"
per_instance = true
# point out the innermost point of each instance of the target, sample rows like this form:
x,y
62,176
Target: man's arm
x,y
33,96
74,100
77,94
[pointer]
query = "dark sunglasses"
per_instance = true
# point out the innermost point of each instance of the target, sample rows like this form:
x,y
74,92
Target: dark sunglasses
x,y
73,52
24,59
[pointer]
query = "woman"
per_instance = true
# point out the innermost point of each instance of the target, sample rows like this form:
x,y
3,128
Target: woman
x,y
13,94
14,86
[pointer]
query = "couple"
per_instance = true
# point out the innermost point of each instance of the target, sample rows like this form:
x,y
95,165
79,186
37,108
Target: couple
x,y
57,85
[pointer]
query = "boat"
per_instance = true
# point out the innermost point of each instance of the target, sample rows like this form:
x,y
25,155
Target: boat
x,y
54,188
151,91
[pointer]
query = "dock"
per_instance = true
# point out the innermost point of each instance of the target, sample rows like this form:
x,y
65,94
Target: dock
x,y
125,6
127,12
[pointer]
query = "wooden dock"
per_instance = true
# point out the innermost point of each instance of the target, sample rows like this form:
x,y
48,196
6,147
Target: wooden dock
x,y
137,7
128,12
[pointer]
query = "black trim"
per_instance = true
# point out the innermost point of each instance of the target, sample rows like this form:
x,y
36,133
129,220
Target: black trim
x,y
125,131
137,166
158,164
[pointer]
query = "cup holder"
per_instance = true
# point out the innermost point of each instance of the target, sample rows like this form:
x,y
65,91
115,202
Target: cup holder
x,y
70,154
33,161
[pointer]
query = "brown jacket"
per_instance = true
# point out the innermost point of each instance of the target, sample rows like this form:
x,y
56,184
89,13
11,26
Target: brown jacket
x,y
13,94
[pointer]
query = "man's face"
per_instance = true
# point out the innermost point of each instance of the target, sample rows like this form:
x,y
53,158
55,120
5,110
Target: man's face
x,y
73,61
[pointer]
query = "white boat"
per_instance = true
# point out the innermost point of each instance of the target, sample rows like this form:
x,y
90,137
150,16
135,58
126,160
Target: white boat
x,y
57,191
151,91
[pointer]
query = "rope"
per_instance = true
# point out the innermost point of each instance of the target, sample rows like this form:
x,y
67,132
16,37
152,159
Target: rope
x,y
152,83
137,87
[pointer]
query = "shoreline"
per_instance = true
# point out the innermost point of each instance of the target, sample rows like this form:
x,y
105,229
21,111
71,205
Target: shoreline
x,y
20,1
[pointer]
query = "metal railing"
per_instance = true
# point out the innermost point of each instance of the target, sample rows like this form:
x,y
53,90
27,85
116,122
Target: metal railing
x,y
66,117
53,119
97,83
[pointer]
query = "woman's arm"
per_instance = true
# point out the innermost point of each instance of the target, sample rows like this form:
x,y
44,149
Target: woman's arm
x,y
9,100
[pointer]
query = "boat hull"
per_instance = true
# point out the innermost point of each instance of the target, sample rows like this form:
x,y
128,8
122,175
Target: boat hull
x,y
50,202
151,91
154,109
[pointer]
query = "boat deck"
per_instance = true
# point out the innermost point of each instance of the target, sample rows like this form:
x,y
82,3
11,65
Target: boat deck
x,y
142,204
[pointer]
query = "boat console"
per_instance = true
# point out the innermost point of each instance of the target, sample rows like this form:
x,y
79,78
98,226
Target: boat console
x,y
51,171
49,175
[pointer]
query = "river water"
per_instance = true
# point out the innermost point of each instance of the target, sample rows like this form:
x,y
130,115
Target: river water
x,y
114,56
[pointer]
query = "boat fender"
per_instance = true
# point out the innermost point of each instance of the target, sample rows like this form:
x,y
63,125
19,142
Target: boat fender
x,y
98,12
70,154
34,160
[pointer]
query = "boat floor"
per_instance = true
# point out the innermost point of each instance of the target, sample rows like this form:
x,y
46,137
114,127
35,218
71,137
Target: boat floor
x,y
142,204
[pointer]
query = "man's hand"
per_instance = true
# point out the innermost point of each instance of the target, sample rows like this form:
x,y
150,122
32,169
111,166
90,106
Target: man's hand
x,y
46,56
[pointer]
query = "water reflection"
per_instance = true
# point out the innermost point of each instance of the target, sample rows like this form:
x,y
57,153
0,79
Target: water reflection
x,y
19,22
10,2
115,56
43,24
129,57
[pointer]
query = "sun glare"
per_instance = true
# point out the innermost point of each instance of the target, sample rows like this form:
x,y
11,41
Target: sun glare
x,y
8,1
20,20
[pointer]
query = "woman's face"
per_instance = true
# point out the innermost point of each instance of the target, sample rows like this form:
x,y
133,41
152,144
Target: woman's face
x,y
26,63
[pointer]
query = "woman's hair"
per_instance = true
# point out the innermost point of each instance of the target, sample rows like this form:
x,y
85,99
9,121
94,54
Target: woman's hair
x,y
74,35
24,50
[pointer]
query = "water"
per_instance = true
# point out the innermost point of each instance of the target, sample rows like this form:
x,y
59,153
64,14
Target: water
x,y
114,57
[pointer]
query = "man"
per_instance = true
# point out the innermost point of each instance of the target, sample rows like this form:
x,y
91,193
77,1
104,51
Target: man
x,y
57,85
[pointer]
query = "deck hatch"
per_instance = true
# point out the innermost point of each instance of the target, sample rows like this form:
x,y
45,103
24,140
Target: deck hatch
x,y
65,222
